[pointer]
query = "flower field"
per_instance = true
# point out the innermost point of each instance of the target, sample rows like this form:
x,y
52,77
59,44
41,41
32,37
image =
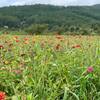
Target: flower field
x,y
49,67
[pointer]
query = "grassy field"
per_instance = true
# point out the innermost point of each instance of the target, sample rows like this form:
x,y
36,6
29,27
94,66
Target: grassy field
x,y
49,67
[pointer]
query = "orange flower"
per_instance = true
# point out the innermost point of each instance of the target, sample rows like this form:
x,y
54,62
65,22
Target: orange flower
x,y
59,37
16,37
26,39
26,42
76,46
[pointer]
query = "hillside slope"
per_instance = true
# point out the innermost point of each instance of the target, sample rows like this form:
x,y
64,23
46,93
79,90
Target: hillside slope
x,y
71,18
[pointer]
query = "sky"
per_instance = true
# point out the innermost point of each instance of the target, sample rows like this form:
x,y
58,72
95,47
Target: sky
x,y
52,2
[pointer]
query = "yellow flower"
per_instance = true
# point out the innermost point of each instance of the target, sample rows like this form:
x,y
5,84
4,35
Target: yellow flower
x,y
6,62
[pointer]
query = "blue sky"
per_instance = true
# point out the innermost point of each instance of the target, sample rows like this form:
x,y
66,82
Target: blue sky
x,y
53,2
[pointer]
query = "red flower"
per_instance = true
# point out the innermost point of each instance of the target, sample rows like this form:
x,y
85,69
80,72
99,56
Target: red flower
x,y
2,95
90,69
17,40
1,46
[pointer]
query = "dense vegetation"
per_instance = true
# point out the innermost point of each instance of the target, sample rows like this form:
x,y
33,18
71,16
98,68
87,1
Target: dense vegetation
x,y
47,19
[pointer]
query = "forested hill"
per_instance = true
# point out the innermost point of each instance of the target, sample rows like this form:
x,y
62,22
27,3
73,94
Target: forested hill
x,y
79,19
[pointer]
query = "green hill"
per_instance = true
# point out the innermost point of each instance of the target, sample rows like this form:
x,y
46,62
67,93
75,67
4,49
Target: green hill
x,y
48,18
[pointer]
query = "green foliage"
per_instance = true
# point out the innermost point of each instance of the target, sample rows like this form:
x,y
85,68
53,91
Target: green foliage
x,y
37,28
58,19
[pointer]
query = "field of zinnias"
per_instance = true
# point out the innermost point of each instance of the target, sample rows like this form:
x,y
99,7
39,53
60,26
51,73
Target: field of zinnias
x,y
49,67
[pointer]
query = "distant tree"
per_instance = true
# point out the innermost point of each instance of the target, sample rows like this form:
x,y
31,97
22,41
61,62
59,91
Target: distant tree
x,y
36,28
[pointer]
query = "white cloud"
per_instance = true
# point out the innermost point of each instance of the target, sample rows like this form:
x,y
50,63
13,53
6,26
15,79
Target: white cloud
x,y
53,2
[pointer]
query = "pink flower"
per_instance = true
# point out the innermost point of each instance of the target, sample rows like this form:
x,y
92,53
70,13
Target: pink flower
x,y
17,71
90,69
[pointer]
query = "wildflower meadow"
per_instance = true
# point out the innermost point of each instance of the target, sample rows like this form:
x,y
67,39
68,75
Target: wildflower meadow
x,y
49,67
